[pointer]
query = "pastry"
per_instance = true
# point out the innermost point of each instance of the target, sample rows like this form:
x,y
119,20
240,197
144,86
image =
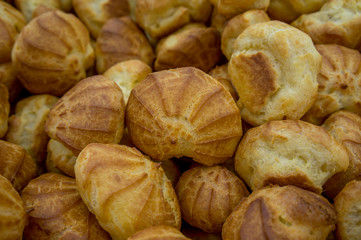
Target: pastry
x,y
4,109
220,73
160,232
60,158
28,7
234,7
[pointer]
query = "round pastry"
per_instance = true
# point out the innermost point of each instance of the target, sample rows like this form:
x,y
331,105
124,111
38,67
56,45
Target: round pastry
x,y
11,23
161,17
128,74
12,212
60,157
9,79
207,195
161,232
338,21
109,175
52,53
26,126
234,7
346,128
194,45
289,152
348,205
94,13
339,83
183,112
237,25
220,73
28,7
119,40
92,111
274,69
289,10
16,164
285,212
56,211
4,109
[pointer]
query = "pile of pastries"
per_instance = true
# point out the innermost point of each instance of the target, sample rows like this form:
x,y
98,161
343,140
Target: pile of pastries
x,y
173,119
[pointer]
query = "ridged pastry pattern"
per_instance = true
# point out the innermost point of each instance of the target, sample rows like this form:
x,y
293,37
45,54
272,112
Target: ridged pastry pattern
x,y
234,7
196,46
56,211
4,109
338,21
346,128
281,213
125,190
161,17
208,195
29,7
12,212
26,125
92,111
119,40
60,158
183,112
289,152
161,232
16,165
339,83
274,69
94,13
52,53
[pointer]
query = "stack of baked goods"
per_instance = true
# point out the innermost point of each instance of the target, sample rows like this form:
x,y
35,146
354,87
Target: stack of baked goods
x,y
172,119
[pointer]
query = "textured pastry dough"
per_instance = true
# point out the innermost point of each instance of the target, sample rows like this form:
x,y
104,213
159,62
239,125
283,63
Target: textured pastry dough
x,y
4,109
125,190
183,112
94,13
161,232
9,79
339,83
289,152
16,164
194,45
26,126
161,17
346,128
12,212
348,208
52,53
281,213
289,10
60,158
220,73
28,7
207,195
56,211
92,111
338,21
237,25
128,74
234,7
119,40
274,69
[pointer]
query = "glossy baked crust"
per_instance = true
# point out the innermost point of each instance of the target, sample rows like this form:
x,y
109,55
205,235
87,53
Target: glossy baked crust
x,y
183,112
125,190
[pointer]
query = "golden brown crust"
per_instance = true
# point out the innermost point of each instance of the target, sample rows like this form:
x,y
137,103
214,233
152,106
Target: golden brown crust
x,y
92,111
207,195
346,128
52,53
220,73
194,45
289,152
160,232
94,13
274,69
183,112
161,17
339,83
338,21
30,7
26,126
56,210
237,25
60,157
234,7
4,109
347,205
171,170
108,175
9,79
119,40
12,212
16,164
281,213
